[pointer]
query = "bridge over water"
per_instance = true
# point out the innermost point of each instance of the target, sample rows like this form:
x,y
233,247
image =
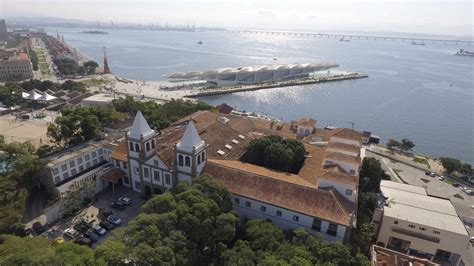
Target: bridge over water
x,y
348,37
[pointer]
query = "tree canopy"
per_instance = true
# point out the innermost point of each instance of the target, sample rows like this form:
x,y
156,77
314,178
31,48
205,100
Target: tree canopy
x,y
452,165
276,152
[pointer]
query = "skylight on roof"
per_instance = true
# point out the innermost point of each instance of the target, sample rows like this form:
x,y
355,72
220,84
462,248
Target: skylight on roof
x,y
235,141
220,152
241,136
228,146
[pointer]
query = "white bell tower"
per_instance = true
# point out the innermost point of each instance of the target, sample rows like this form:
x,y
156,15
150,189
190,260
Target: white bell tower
x,y
141,145
191,154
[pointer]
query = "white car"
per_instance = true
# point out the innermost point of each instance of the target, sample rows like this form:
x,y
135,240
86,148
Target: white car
x,y
125,200
70,232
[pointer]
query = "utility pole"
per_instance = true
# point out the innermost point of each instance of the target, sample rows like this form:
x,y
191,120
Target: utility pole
x,y
352,123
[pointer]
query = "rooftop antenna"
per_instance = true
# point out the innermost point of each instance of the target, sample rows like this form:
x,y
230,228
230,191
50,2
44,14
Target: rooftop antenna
x,y
106,63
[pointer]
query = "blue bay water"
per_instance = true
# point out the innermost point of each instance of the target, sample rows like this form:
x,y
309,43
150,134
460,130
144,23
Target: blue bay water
x,y
423,93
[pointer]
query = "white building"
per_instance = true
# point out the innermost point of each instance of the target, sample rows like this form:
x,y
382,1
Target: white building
x,y
320,198
97,100
251,75
411,222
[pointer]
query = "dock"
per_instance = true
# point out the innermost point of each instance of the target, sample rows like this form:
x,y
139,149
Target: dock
x,y
233,89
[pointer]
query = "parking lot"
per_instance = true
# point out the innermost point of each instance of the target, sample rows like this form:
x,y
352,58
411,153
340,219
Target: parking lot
x,y
102,203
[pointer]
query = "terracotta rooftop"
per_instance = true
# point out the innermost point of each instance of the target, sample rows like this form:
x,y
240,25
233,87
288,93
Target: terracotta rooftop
x,y
340,177
224,108
310,201
346,133
307,122
120,152
312,166
344,147
259,170
342,157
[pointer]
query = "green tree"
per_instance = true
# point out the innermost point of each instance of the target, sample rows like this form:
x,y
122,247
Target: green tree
x,y
112,252
69,253
450,164
371,174
160,204
406,145
70,85
466,169
276,153
393,144
240,254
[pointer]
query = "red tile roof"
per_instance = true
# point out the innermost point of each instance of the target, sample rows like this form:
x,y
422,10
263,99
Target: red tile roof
x,y
323,204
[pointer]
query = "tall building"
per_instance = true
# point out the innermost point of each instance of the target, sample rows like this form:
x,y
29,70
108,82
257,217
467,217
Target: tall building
x,y
16,67
3,31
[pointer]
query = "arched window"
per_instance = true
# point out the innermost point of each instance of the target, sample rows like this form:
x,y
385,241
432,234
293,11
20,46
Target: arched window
x,y
187,161
137,147
199,159
147,146
180,160
153,144
131,145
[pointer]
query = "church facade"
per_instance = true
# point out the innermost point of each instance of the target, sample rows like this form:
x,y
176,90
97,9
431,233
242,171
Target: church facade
x,y
320,198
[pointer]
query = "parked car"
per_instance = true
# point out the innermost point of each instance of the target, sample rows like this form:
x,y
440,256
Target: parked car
x,y
99,230
91,235
70,232
87,222
80,227
107,225
441,178
118,205
83,241
432,174
456,185
114,220
125,200
471,239
24,232
38,228
427,172
468,191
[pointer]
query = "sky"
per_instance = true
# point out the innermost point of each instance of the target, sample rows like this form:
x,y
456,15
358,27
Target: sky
x,y
414,16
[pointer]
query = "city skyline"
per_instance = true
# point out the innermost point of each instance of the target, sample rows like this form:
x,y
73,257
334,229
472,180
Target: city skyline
x,y
431,17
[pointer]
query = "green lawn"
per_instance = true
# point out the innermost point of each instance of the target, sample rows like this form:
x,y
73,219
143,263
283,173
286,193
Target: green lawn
x,y
95,82
457,195
425,180
421,160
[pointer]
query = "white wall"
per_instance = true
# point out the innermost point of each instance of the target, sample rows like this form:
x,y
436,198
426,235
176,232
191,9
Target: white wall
x,y
286,220
344,165
78,165
339,187
355,154
346,141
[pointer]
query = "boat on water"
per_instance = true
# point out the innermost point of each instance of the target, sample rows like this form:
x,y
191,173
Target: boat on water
x,y
418,43
95,32
463,52
344,40
200,42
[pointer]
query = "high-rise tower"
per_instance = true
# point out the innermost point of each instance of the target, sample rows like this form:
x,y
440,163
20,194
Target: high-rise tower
x,y
3,31
106,63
